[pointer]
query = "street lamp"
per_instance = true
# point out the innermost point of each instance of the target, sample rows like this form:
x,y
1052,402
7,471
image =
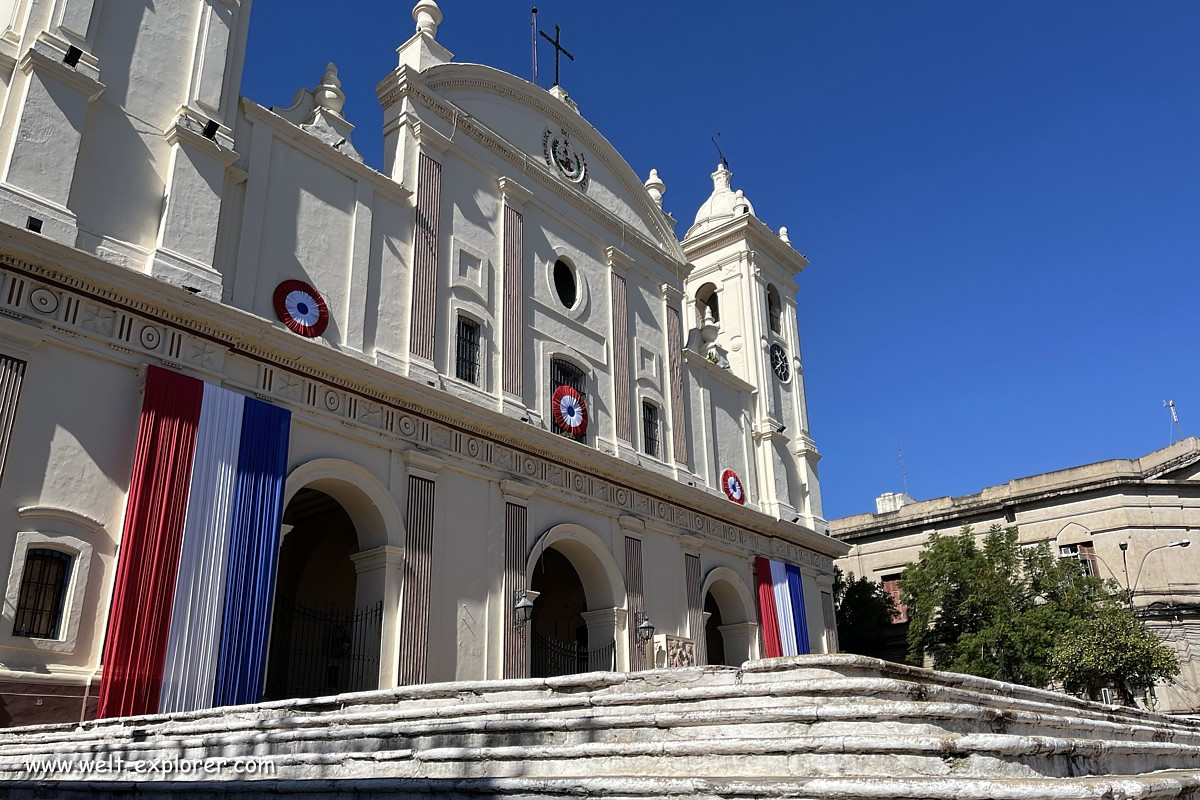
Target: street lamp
x,y
1138,576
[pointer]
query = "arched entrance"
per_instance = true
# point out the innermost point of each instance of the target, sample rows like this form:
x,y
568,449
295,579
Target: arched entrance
x,y
578,617
730,632
324,639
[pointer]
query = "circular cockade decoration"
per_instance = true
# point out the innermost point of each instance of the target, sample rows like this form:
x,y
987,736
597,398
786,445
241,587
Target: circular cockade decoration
x,y
301,308
732,485
569,410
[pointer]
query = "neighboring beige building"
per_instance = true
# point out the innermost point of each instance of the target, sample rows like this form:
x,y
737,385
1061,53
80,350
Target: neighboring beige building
x,y
1126,519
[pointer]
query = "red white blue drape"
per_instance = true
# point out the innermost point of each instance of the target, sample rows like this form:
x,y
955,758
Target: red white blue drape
x,y
196,568
781,608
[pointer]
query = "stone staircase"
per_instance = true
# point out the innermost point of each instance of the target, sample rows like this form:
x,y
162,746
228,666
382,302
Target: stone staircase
x,y
836,726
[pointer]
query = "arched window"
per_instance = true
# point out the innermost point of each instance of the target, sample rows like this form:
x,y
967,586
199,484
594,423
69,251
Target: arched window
x,y
564,373
43,590
707,304
774,309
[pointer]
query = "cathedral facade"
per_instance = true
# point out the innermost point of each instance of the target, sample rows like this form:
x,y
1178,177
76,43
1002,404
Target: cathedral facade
x,y
276,424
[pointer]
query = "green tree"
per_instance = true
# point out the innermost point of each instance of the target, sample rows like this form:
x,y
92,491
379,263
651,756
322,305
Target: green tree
x,y
864,613
1113,649
1000,610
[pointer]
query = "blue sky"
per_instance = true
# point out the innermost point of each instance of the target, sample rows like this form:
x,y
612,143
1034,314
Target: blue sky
x,y
1000,200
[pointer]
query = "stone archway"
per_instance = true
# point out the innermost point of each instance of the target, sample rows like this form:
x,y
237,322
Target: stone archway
x,y
579,598
730,630
338,588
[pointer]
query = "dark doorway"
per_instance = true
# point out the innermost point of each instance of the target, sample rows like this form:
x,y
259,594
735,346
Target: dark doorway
x,y
713,638
559,644
321,642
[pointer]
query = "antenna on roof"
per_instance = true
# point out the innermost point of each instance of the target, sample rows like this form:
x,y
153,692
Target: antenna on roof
x,y
1178,433
716,140
903,472
533,37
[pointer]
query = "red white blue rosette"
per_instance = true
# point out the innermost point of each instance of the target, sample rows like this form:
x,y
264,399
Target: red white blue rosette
x,y
301,308
732,485
569,411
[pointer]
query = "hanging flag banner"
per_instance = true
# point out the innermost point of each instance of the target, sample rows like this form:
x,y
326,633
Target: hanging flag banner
x,y
780,590
196,571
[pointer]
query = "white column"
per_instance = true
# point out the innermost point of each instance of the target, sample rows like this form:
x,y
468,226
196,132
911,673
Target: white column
x,y
741,640
607,625
380,573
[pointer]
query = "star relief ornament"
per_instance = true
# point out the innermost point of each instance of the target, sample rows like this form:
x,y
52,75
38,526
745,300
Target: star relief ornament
x,y
569,411
732,485
301,307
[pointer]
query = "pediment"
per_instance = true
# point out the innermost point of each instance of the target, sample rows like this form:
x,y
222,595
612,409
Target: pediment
x,y
555,138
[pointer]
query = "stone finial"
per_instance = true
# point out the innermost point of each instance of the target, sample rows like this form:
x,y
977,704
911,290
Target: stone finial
x,y
740,204
783,236
721,178
329,93
428,16
656,188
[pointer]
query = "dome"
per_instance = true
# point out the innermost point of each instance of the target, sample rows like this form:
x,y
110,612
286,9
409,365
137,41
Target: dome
x,y
722,205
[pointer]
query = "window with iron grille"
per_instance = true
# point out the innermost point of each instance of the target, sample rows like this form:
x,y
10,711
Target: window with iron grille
x,y
650,429
43,589
564,373
467,359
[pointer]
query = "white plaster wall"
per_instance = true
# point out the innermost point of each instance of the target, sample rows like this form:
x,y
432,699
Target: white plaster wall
x,y
145,53
71,448
524,126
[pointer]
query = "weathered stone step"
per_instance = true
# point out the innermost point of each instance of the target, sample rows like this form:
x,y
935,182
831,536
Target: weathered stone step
x,y
379,752
811,701
1169,785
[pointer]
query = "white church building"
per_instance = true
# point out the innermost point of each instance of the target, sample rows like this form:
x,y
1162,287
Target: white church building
x,y
276,424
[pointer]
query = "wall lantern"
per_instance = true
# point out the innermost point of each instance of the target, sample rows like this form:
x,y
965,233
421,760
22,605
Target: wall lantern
x,y
523,609
645,629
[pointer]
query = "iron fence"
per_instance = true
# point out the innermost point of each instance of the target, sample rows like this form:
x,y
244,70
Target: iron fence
x,y
325,651
550,658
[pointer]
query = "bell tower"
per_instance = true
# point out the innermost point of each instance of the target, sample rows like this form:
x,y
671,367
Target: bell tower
x,y
117,127
741,300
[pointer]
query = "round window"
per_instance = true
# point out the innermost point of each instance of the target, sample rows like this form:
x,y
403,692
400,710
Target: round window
x,y
564,283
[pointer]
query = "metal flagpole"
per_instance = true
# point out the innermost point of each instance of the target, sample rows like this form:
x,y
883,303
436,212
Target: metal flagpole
x,y
533,40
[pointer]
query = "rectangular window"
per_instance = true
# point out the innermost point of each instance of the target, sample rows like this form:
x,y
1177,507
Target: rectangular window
x,y
1082,552
891,587
43,589
467,362
650,429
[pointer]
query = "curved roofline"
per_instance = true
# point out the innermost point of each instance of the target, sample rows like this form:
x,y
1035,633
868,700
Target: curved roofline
x,y
481,76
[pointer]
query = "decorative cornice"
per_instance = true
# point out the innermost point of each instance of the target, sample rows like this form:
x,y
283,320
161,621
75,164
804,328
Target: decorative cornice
x,y
751,230
62,515
513,193
47,55
516,492
109,304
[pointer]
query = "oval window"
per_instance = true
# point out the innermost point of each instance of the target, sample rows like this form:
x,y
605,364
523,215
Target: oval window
x,y
564,283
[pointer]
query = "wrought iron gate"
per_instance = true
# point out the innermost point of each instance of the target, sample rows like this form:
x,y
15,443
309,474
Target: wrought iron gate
x,y
550,658
327,651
